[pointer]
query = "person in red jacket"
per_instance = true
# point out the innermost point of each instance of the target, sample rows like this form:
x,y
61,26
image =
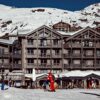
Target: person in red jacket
x,y
50,78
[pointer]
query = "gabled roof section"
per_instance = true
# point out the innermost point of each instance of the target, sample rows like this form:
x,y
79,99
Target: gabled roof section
x,y
6,42
82,31
46,27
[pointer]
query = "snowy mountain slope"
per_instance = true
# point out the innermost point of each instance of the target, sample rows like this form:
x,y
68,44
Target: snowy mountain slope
x,y
25,20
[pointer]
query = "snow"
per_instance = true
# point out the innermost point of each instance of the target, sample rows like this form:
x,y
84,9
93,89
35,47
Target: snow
x,y
25,19
39,94
78,73
6,41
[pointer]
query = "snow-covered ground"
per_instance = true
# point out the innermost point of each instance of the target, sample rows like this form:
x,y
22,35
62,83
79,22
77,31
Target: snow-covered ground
x,y
37,94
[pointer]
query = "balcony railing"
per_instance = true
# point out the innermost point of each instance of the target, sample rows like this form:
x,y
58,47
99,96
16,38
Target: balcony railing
x,y
56,65
31,65
76,55
56,55
87,66
16,66
16,55
44,65
47,55
66,55
5,54
66,66
5,65
56,45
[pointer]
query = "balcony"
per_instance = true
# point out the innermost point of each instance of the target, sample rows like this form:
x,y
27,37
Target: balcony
x,y
76,66
84,66
66,55
44,55
31,65
44,46
88,56
56,65
67,45
16,55
56,55
76,55
97,45
5,55
44,65
56,45
5,65
16,66
66,66
97,66
76,45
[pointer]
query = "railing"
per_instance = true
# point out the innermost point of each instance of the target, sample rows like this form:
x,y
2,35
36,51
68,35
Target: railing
x,y
16,55
66,66
76,55
76,45
67,45
44,66
5,54
56,46
44,55
44,45
56,55
87,66
5,65
56,65
76,66
67,55
15,66
31,65
88,56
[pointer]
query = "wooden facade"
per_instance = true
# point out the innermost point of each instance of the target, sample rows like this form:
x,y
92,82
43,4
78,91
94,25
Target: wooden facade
x,y
66,27
45,49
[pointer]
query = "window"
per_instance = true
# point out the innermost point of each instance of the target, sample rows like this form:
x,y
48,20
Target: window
x,y
98,53
30,41
30,61
77,62
29,71
30,51
57,52
56,61
1,50
55,41
76,52
43,52
89,62
86,36
43,61
43,42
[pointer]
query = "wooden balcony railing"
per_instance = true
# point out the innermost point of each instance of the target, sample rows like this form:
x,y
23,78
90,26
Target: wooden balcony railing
x,y
16,55
16,66
5,54
5,65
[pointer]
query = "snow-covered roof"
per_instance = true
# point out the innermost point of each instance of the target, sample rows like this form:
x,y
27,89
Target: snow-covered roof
x,y
6,41
79,73
70,33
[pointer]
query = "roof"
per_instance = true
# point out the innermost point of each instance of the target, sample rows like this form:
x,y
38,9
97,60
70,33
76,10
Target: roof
x,y
81,31
78,73
4,41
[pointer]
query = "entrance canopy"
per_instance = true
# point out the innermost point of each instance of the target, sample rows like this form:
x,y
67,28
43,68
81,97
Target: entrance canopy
x,y
78,73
